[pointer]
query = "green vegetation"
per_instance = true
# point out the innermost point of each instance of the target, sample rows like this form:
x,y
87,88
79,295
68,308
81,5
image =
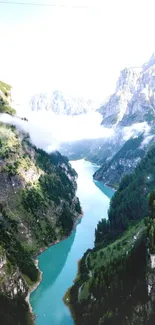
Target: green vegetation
x,y
122,163
129,203
37,207
150,223
14,250
111,286
4,108
4,99
66,220
131,149
14,311
5,88
106,288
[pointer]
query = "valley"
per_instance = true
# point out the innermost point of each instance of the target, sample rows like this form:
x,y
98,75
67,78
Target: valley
x,y
95,248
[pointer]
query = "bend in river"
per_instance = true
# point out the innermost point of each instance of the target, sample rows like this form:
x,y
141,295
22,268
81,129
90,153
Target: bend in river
x,y
59,262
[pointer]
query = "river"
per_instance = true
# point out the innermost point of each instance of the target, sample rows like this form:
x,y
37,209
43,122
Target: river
x,y
59,262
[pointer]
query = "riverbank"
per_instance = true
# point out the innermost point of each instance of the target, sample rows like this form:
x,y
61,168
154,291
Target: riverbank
x,y
114,188
32,288
66,297
59,262
41,250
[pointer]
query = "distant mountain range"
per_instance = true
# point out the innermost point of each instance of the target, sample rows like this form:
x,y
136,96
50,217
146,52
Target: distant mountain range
x,y
61,104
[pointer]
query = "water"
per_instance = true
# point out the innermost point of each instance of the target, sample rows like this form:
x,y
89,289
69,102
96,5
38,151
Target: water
x,y
59,262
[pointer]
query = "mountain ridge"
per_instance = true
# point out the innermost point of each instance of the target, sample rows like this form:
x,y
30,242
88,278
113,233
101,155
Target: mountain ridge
x,y
38,207
61,104
130,113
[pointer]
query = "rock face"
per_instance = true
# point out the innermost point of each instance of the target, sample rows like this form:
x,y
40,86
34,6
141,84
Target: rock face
x,y
38,206
61,104
130,111
116,106
134,98
124,161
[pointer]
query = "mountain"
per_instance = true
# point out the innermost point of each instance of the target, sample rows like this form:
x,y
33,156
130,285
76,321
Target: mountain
x,y
61,104
38,206
130,113
115,107
134,98
115,282
125,160
132,106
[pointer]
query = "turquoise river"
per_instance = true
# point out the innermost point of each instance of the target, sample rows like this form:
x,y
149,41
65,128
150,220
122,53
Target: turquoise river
x,y
59,262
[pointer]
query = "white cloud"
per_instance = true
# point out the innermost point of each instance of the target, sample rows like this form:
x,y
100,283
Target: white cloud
x,y
135,130
48,130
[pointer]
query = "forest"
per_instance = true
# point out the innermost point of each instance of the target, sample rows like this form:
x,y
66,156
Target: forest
x,y
38,205
111,285
129,203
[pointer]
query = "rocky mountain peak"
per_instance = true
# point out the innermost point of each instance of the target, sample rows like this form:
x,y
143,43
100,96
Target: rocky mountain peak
x,y
60,103
134,99
127,80
149,63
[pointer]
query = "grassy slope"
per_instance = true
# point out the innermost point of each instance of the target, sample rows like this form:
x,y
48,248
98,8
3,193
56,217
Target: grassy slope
x,y
105,284
32,187
37,207
111,284
5,99
118,249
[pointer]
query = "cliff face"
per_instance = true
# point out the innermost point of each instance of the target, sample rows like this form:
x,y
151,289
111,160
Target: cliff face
x,y
133,100
124,161
131,106
38,206
35,187
12,283
130,113
116,107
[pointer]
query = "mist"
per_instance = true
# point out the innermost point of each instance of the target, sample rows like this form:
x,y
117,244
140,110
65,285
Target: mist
x,y
48,131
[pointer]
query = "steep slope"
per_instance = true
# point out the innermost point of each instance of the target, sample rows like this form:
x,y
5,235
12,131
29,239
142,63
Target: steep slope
x,y
95,150
130,113
38,206
115,282
115,108
5,99
132,104
125,160
133,100
60,104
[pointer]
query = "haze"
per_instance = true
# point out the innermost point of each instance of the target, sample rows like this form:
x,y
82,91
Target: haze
x,y
76,46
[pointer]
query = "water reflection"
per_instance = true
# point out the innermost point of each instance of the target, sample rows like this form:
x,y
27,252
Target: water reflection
x,y
52,262
106,190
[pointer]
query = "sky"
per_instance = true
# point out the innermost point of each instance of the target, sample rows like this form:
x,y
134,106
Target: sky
x,y
77,46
